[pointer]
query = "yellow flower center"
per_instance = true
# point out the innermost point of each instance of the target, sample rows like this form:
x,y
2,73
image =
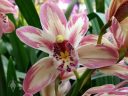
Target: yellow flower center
x,y
64,56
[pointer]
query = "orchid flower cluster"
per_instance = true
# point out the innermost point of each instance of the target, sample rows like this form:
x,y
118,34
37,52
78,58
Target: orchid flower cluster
x,y
72,53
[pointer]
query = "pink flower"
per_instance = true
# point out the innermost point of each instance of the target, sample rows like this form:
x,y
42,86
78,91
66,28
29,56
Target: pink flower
x,y
118,13
61,39
108,90
7,7
118,69
5,24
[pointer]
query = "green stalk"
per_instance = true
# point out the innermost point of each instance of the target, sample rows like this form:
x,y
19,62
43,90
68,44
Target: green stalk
x,y
75,90
103,31
57,81
122,54
3,89
76,74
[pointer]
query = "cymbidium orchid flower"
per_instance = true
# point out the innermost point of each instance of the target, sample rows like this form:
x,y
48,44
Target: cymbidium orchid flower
x,y
119,69
118,13
108,90
5,24
61,39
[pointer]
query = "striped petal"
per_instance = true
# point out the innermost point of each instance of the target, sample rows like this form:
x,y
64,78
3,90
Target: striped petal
x,y
119,70
36,38
92,39
78,26
10,27
124,29
52,19
63,88
6,25
116,7
70,75
99,89
97,56
39,76
110,37
49,90
120,92
119,35
7,7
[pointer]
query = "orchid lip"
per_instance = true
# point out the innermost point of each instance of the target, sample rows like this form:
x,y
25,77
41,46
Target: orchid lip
x,y
4,17
65,55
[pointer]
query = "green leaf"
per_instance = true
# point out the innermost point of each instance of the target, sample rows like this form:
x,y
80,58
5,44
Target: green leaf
x,y
94,22
79,83
95,16
12,82
3,91
29,12
32,55
2,47
103,79
19,53
100,6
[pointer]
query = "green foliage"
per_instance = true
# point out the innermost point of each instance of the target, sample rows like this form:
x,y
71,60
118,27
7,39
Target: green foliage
x,y
12,82
29,12
100,6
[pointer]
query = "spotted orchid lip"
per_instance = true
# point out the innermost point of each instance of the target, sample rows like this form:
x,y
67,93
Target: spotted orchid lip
x,y
65,54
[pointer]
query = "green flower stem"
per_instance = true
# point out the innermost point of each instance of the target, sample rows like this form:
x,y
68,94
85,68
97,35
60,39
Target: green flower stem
x,y
57,81
103,31
76,74
75,90
2,80
122,54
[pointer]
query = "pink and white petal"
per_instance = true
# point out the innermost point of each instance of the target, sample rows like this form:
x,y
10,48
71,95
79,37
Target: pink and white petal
x,y
64,88
36,38
97,56
120,92
110,37
10,27
70,75
92,39
53,19
100,89
124,28
89,39
6,26
40,75
7,7
49,90
118,33
119,70
4,22
77,26
114,6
